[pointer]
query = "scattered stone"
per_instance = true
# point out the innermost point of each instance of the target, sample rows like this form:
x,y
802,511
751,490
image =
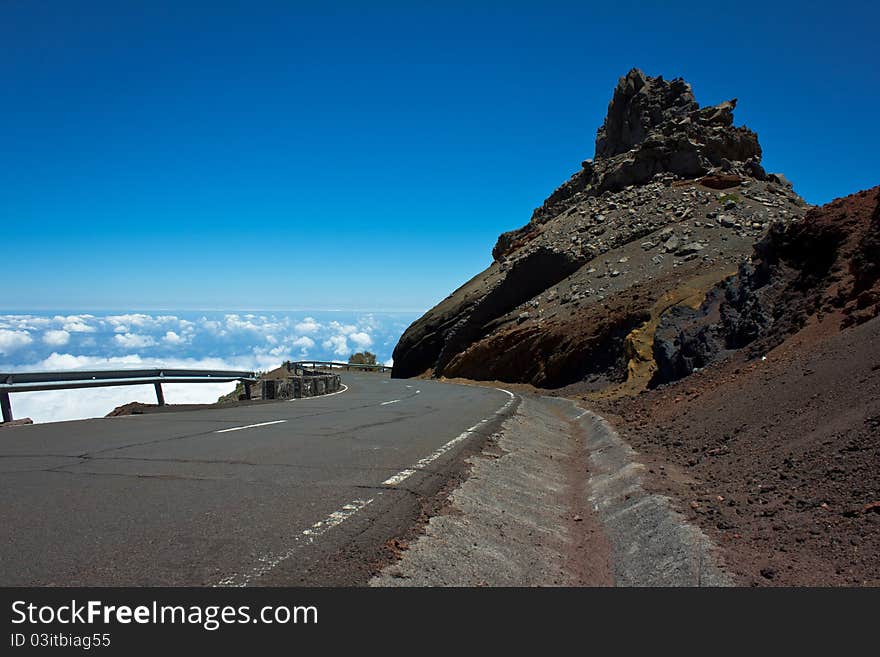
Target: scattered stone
x,y
689,249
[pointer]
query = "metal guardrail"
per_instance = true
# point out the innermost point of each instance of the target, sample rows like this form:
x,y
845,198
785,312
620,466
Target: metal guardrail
x,y
31,381
330,364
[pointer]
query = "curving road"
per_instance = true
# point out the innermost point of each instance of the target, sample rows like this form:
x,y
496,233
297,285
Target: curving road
x,y
286,493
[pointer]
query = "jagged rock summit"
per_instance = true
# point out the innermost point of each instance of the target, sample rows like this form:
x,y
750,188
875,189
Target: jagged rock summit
x,y
655,127
673,200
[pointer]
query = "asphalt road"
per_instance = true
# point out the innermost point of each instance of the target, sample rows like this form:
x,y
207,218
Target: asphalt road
x,y
308,497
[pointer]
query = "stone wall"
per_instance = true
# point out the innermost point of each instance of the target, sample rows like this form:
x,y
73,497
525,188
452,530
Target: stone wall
x,y
296,387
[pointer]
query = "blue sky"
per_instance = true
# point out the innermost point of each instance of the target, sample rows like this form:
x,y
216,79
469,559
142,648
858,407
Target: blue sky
x,y
270,155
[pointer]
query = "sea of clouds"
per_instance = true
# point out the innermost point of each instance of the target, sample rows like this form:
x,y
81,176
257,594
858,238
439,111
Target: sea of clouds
x,y
39,342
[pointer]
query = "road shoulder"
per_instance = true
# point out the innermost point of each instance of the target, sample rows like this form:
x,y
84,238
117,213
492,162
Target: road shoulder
x,y
555,498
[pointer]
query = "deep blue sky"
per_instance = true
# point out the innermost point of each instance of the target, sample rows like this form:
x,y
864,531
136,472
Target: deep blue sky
x,y
265,155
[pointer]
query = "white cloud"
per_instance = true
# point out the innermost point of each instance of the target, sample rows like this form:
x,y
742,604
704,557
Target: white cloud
x,y
235,323
308,325
361,339
338,344
345,329
133,340
25,322
369,322
56,361
78,327
75,323
58,405
56,338
389,362
133,319
173,338
303,342
212,326
12,340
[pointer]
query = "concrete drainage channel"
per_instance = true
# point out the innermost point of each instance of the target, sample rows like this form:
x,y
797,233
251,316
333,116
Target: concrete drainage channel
x,y
652,544
556,499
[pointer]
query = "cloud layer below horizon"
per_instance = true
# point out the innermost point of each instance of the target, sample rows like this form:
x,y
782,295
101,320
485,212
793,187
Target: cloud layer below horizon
x,y
210,340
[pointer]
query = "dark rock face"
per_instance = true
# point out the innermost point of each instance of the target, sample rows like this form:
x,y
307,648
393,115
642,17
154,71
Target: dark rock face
x,y
435,339
641,105
827,263
563,292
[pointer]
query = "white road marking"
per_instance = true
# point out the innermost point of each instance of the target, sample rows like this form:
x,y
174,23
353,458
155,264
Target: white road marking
x,y
263,424
403,475
250,426
393,401
418,391
268,563
335,518
409,386
398,478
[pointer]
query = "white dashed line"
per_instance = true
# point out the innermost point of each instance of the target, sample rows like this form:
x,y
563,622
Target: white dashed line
x,y
250,426
266,564
398,478
335,518
403,475
393,401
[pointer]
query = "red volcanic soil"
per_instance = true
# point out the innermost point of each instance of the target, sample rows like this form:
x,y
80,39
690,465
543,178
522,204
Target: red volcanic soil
x,y
778,457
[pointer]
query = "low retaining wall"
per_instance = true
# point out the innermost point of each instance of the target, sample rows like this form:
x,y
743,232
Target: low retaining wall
x,y
296,387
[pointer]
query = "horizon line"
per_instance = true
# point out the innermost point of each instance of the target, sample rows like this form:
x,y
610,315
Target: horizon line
x,y
11,311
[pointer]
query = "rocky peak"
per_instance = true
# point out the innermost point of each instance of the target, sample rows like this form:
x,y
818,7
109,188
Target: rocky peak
x,y
673,202
656,128
641,104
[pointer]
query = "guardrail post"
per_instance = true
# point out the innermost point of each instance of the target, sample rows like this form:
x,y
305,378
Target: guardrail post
x,y
7,406
159,396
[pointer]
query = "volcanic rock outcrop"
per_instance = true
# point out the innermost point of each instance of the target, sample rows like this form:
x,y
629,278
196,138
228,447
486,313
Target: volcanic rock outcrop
x,y
673,200
827,263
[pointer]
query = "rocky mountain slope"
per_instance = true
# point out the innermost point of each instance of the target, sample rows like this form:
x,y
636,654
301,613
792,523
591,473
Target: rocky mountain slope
x,y
769,437
673,201
730,333
824,265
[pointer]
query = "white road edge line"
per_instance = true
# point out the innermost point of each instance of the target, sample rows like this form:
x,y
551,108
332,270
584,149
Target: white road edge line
x,y
250,426
403,475
267,563
393,401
